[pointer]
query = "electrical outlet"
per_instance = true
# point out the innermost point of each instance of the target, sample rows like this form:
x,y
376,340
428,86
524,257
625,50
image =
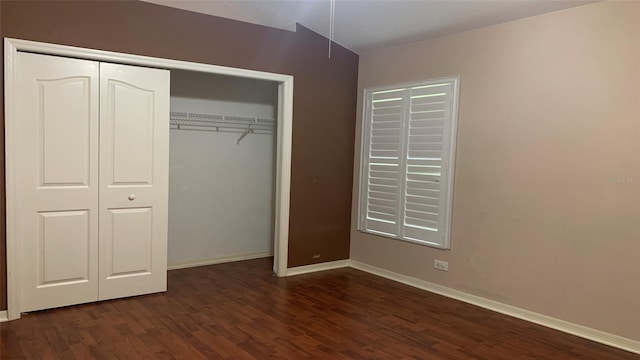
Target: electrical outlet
x,y
441,265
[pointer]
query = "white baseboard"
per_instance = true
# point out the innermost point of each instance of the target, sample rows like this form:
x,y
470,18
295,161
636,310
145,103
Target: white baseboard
x,y
299,270
218,260
540,319
4,316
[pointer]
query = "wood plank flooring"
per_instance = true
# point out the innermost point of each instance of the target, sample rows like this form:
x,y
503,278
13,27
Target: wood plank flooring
x,y
239,311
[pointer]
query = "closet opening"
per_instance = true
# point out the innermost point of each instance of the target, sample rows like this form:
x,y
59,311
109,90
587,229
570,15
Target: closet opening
x,y
222,166
246,147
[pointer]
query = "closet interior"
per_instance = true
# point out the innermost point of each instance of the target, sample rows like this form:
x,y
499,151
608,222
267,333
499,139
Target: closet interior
x,y
221,168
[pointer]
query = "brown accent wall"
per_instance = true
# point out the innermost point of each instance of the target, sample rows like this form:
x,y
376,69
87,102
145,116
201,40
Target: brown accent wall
x,y
324,93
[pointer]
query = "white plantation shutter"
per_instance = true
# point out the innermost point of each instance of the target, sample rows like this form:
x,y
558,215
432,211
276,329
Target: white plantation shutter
x,y
383,168
408,149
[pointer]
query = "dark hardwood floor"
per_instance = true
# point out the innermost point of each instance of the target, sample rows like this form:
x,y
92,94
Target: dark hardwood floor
x,y
239,311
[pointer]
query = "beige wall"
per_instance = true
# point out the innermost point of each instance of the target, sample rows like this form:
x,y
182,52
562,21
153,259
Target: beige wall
x,y
546,212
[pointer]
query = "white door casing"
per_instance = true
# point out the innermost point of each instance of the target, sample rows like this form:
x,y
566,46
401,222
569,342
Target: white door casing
x,y
56,180
134,186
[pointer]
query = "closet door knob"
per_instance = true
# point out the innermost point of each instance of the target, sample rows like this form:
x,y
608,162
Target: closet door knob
x,y
132,197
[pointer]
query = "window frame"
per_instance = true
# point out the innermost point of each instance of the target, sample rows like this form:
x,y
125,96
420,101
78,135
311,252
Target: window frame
x,y
448,167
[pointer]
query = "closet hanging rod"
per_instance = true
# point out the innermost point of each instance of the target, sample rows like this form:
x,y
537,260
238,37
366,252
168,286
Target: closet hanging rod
x,y
221,123
187,128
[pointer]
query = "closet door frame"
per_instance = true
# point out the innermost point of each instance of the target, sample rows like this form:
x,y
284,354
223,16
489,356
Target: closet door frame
x,y
283,150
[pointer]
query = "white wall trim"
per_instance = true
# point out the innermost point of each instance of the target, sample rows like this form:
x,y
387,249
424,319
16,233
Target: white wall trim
x,y
3,316
540,319
283,171
13,285
299,270
218,260
283,177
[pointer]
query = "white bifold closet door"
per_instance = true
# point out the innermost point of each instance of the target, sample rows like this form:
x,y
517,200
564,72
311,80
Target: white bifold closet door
x,y
92,180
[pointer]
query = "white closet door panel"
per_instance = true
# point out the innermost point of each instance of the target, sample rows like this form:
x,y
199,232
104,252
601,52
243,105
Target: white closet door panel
x,y
65,129
57,180
134,172
131,160
63,247
124,256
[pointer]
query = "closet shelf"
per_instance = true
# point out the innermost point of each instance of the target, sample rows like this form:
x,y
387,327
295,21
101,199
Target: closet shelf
x,y
222,123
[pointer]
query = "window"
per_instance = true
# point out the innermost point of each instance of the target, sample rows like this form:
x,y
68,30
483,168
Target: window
x,y
408,150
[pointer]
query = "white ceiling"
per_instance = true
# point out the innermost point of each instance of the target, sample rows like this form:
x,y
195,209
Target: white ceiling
x,y
364,25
